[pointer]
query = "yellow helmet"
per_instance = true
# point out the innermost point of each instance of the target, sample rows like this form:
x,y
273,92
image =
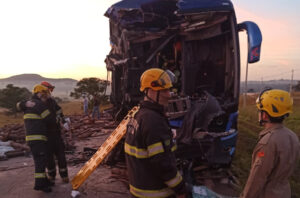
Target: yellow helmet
x,y
275,102
40,88
157,79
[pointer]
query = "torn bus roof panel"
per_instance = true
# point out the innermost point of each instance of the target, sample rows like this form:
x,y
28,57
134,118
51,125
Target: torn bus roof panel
x,y
197,6
143,13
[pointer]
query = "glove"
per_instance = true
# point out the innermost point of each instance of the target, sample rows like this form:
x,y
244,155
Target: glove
x,y
66,126
29,104
68,120
174,133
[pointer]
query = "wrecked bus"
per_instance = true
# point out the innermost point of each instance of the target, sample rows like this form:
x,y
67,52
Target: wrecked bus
x,y
198,41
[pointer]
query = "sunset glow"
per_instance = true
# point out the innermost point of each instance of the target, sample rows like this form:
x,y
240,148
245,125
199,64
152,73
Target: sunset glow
x,y
70,38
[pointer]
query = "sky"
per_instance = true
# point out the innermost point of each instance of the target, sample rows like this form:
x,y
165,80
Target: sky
x,y
70,38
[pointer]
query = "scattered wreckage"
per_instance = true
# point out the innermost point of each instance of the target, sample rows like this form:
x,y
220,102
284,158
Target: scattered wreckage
x,y
12,136
198,41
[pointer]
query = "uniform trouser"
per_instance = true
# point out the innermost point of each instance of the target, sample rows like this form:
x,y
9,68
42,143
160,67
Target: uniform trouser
x,y
85,109
39,151
172,196
56,147
96,111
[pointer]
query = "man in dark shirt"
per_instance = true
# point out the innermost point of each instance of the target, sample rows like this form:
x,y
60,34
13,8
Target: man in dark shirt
x,y
96,104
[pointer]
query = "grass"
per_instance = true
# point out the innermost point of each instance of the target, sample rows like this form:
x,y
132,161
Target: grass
x,y
72,108
69,108
5,119
76,107
248,136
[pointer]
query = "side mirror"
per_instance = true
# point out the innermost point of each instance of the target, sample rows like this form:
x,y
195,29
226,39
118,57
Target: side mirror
x,y
254,40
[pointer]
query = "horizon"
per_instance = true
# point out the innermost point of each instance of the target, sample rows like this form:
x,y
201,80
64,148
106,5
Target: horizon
x,y
281,79
74,42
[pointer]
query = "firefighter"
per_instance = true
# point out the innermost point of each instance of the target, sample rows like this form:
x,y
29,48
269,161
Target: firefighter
x,y
56,146
276,153
149,146
36,119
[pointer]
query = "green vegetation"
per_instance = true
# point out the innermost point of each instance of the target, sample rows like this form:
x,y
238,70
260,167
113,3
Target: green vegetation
x,y
297,87
90,87
10,95
248,134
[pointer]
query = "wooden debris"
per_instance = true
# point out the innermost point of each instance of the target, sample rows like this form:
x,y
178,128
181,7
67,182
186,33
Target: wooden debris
x,y
19,146
16,153
81,127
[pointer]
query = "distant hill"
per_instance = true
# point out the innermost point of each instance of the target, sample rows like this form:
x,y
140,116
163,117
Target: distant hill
x,y
257,86
63,86
35,77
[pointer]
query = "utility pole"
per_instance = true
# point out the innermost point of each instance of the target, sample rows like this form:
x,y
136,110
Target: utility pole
x,y
291,85
262,84
246,87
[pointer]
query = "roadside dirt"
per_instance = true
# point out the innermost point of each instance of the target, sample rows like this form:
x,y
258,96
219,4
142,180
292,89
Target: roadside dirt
x,y
16,174
16,178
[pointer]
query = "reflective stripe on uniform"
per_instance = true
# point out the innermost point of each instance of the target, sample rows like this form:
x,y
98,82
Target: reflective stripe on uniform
x,y
35,137
168,142
136,152
45,113
151,150
51,170
155,149
166,192
36,116
31,116
62,170
174,181
39,175
174,148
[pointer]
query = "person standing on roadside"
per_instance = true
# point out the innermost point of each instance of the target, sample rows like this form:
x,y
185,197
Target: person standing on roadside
x,y
96,107
276,154
85,105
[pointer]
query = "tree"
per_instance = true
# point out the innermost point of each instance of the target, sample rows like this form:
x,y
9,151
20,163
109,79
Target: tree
x,y
90,87
297,87
10,95
251,90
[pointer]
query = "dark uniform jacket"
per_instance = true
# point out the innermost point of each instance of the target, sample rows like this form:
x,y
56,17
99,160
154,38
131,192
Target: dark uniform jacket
x,y
273,162
56,111
150,160
36,119
53,125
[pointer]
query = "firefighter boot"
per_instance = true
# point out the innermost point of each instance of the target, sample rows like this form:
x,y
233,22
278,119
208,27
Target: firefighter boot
x,y
45,189
51,179
65,179
64,174
50,182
